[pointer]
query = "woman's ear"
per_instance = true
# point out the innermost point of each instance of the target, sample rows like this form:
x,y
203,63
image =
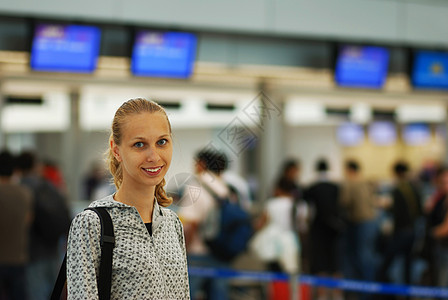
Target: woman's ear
x,y
115,150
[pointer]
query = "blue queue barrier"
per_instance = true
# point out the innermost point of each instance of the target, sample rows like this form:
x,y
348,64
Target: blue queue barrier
x,y
343,284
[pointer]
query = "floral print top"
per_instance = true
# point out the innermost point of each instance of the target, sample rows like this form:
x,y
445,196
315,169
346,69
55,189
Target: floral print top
x,y
143,267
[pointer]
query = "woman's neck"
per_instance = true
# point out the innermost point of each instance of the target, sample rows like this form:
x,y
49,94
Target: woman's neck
x,y
141,199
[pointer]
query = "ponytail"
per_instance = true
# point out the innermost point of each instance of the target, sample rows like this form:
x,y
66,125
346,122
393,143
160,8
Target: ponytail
x,y
114,168
161,196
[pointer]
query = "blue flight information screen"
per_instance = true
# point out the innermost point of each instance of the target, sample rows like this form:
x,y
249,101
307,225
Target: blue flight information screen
x,y
163,54
65,48
430,70
416,134
362,67
350,134
382,133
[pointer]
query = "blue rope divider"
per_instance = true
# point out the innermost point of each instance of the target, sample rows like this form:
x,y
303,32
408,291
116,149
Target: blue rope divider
x,y
343,284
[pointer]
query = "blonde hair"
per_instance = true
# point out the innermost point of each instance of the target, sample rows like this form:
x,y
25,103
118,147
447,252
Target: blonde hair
x,y
130,107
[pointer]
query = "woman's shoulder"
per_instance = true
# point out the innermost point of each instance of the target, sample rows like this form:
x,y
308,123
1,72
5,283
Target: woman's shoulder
x,y
107,202
169,213
172,222
86,225
172,217
88,215
86,218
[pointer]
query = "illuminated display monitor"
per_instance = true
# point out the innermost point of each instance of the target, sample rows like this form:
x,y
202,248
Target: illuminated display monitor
x,y
350,134
430,70
163,54
382,133
361,66
416,134
65,48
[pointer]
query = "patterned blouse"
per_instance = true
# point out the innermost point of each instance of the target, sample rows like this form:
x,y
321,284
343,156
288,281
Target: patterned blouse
x,y
143,267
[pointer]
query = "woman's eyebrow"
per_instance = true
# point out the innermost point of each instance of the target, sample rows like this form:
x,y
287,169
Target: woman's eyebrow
x,y
143,138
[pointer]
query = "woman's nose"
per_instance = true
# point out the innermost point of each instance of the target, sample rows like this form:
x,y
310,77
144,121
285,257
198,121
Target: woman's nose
x,y
152,154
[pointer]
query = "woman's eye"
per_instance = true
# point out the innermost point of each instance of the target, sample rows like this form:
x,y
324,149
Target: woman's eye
x,y
139,145
162,142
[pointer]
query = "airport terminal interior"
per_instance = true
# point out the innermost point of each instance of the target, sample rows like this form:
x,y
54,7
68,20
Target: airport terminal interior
x,y
264,82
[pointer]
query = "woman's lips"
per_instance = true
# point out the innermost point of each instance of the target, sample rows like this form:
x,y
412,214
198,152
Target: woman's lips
x,y
153,171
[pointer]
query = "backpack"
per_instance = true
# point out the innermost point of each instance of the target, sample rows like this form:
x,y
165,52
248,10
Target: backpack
x,y
51,213
107,242
231,226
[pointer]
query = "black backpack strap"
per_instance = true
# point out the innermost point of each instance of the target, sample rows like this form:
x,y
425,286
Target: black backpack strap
x,y
60,281
107,242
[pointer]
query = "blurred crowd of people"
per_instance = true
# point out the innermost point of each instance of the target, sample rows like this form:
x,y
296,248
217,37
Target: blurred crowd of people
x,y
34,222
362,230
352,228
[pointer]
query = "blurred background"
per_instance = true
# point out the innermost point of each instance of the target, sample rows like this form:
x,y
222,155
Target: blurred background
x,y
295,52
262,81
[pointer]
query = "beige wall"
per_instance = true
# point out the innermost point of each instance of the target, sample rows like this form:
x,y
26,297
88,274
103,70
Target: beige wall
x,y
309,143
377,161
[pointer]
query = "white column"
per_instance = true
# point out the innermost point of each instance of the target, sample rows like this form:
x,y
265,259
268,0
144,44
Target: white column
x,y
271,140
2,133
72,149
446,141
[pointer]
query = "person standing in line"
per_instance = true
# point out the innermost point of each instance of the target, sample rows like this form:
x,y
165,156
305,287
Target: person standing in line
x,y
280,215
197,206
50,224
53,174
149,258
360,210
276,243
437,224
93,180
290,173
326,228
435,250
406,211
15,218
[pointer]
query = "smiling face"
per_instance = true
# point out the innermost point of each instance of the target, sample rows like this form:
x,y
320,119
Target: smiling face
x,y
145,150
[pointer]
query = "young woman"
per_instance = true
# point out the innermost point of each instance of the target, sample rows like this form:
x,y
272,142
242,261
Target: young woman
x,y
149,260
